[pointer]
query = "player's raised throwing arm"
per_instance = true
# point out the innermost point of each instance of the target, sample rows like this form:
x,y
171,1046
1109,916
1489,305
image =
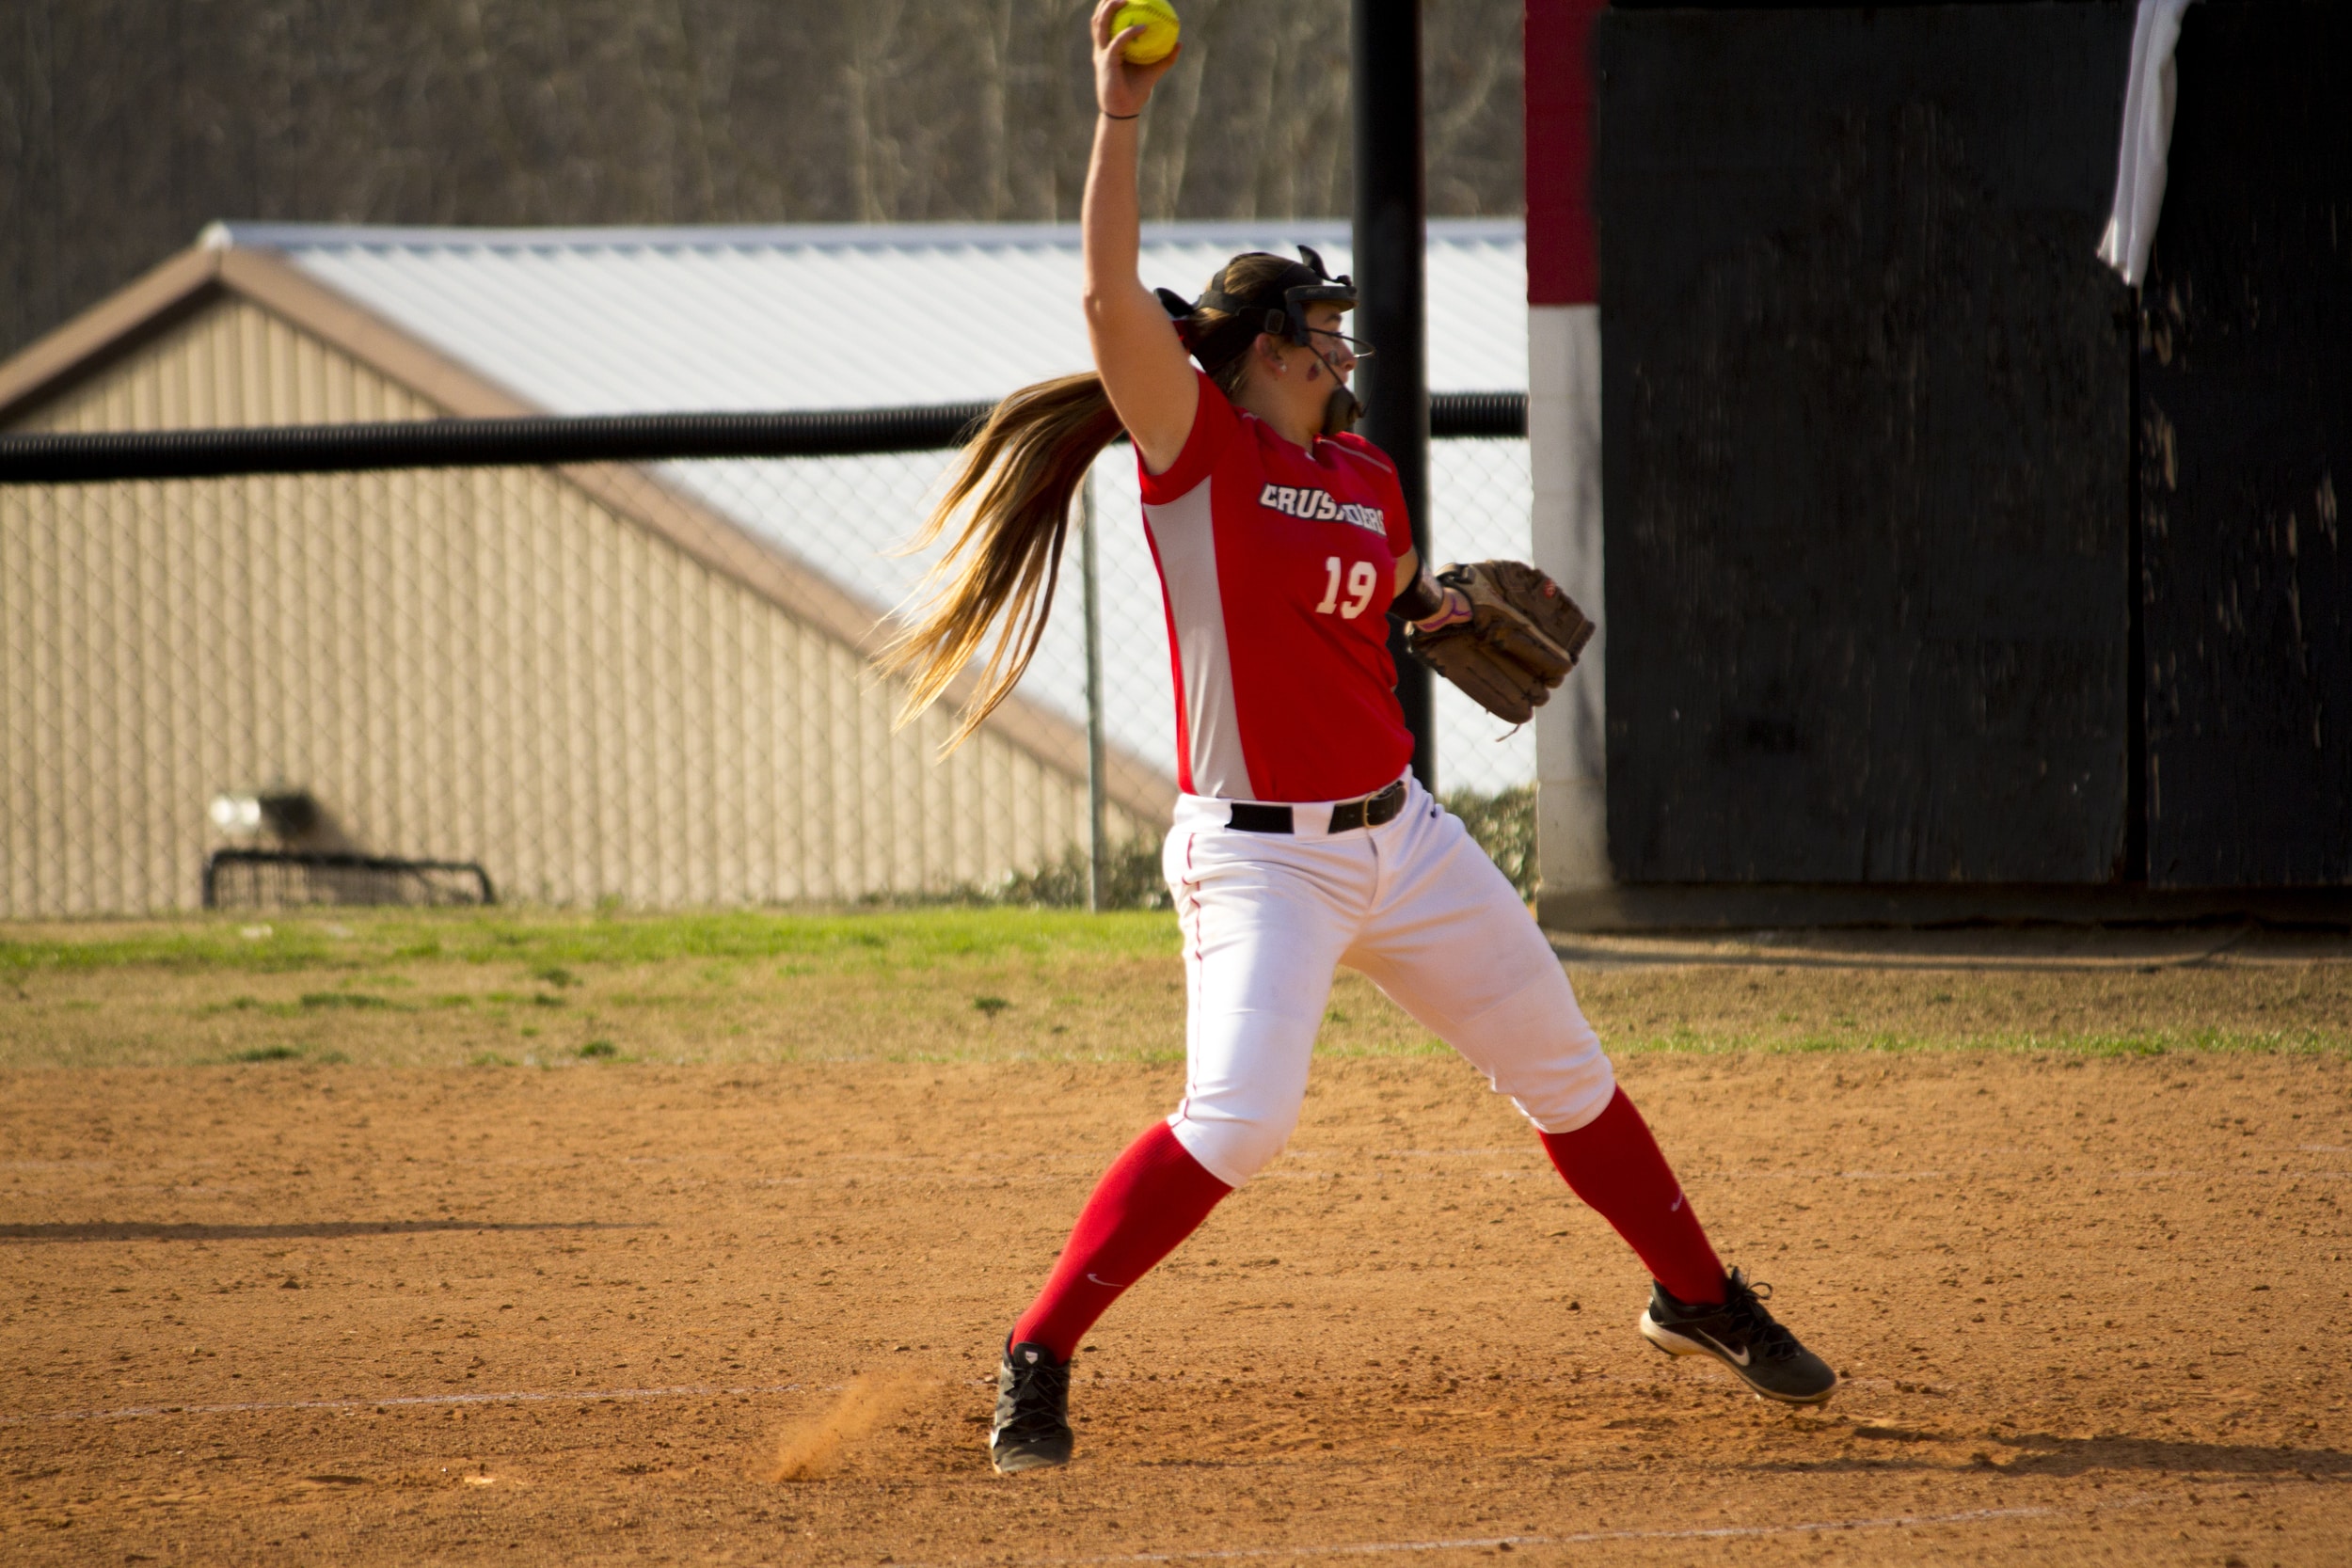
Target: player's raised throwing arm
x,y
1141,360
1008,507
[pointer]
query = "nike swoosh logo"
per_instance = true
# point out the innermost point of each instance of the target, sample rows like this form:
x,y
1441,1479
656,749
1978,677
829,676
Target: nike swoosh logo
x,y
1675,1204
1737,1357
1106,1284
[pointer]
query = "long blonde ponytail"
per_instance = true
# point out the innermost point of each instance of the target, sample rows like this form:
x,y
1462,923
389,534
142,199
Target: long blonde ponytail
x,y
1024,466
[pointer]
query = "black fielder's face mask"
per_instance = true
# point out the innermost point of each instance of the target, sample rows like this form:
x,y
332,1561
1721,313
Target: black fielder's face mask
x,y
1279,309
1342,408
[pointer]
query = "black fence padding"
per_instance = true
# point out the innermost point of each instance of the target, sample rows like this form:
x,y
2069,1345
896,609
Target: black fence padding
x,y
1454,415
1866,444
2245,457
546,439
531,440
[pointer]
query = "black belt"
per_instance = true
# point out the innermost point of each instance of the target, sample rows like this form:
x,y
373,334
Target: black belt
x,y
1369,812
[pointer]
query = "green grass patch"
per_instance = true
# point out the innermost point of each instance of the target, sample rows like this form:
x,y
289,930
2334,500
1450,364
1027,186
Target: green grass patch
x,y
962,983
551,947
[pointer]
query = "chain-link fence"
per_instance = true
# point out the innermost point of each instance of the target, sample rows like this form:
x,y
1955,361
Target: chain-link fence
x,y
583,682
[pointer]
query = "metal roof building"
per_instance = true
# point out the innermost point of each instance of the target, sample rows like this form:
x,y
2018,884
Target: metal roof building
x,y
609,681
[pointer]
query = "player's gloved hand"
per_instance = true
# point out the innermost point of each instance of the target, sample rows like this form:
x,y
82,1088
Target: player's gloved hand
x,y
1506,635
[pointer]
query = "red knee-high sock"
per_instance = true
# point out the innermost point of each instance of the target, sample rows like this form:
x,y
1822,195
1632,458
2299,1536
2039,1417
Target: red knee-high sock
x,y
1153,1196
1613,1164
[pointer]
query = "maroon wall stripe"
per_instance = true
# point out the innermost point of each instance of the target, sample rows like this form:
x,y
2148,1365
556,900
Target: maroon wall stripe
x,y
1563,262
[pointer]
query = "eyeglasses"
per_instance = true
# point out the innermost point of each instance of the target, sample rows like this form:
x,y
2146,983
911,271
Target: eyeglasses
x,y
1355,347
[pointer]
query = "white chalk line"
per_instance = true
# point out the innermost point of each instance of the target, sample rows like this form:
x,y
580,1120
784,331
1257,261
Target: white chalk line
x,y
1582,1538
1530,1169
385,1402
388,1402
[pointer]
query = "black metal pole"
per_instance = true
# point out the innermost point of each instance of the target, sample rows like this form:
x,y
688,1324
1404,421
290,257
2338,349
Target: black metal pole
x,y
1392,209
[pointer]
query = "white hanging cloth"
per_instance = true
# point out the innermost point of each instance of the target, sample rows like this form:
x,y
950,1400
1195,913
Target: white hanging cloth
x,y
2140,164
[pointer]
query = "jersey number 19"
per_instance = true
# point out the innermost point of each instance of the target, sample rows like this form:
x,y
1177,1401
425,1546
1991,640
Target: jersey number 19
x,y
1361,579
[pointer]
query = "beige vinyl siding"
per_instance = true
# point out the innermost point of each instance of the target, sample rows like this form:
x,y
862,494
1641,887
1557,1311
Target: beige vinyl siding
x,y
230,363
472,664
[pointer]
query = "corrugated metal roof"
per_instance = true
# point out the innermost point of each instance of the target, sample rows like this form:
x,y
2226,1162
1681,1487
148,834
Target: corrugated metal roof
x,y
600,321
592,321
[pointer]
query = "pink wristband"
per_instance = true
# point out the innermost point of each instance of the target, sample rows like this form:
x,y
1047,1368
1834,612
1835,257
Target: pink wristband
x,y
1456,610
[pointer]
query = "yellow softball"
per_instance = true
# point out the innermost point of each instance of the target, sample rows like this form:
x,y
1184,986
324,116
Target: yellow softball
x,y
1157,19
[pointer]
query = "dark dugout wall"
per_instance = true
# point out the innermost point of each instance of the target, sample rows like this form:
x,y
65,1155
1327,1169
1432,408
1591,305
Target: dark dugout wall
x,y
1866,444
2246,448
1934,557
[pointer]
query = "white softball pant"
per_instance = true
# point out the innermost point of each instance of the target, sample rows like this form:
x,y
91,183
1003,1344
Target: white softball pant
x,y
1417,908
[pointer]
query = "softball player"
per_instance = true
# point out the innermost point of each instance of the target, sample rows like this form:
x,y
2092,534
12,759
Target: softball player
x,y
1301,840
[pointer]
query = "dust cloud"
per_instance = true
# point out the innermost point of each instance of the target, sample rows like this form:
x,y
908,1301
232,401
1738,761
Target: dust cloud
x,y
817,1446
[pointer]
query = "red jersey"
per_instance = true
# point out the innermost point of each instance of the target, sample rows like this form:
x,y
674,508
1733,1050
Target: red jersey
x,y
1276,564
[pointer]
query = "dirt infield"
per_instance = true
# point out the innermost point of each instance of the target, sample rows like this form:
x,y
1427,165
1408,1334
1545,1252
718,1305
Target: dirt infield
x,y
2091,1309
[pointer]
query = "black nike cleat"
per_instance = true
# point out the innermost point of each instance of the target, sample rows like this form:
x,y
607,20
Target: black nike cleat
x,y
1032,1428
1742,1336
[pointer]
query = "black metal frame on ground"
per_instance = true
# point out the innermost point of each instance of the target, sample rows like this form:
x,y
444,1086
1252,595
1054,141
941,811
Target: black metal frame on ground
x,y
343,873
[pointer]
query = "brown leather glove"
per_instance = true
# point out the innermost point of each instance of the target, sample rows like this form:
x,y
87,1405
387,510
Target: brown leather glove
x,y
1522,639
